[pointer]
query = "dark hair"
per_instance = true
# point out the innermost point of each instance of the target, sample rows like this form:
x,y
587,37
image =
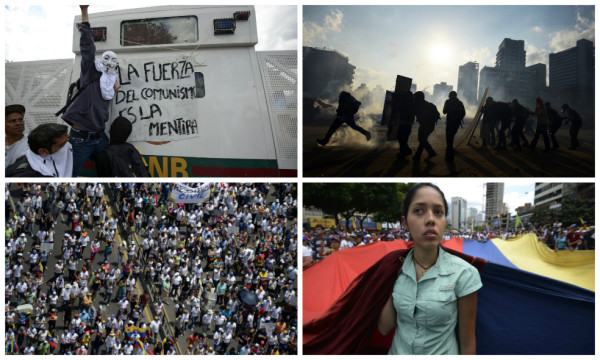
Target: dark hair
x,y
419,96
452,94
45,135
408,198
16,108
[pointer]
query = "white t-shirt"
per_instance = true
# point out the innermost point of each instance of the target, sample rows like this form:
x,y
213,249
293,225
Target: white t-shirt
x,y
306,251
15,151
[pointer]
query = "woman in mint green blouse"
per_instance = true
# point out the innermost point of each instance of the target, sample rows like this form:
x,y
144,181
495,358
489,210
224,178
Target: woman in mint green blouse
x,y
435,290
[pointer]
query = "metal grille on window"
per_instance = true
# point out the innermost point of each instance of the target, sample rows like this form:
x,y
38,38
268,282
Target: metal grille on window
x,y
40,86
279,71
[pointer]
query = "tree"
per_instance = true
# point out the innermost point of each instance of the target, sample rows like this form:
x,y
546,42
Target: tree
x,y
573,210
371,198
384,200
391,207
543,215
331,198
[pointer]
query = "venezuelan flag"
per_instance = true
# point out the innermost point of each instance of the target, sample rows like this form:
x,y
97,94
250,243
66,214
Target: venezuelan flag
x,y
51,342
130,331
142,332
11,346
144,347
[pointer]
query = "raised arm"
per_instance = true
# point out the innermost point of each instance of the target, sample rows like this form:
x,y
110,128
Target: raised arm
x,y
84,13
86,46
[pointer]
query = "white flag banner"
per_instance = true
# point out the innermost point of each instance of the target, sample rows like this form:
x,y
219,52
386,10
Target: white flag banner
x,y
183,193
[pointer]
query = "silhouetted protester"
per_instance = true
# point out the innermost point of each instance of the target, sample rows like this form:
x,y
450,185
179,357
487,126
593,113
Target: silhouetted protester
x,y
521,114
576,122
504,113
455,113
427,116
15,139
49,154
120,158
347,107
488,122
541,125
403,109
554,122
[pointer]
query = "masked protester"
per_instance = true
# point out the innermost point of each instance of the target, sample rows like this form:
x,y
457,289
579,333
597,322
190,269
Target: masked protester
x,y
88,114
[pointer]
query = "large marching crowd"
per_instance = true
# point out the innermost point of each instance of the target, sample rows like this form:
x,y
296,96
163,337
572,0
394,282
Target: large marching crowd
x,y
128,256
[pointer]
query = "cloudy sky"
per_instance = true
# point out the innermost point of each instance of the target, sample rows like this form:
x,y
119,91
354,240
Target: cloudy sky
x,y
428,43
517,192
39,32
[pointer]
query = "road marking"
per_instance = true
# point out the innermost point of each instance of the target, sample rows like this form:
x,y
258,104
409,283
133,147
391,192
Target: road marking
x,y
138,286
109,211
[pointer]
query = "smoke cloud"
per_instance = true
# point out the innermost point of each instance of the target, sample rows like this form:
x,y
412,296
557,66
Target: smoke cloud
x,y
315,34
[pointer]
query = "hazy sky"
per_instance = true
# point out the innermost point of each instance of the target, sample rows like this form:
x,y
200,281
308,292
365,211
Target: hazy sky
x,y
40,32
517,192
428,43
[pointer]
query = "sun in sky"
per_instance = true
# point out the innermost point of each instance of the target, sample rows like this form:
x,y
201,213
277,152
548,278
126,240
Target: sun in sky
x,y
440,53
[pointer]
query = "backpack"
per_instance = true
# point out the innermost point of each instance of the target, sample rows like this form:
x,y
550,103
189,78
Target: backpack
x,y
76,85
428,114
352,104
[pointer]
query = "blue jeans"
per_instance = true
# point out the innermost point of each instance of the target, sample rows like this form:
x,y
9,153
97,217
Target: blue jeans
x,y
84,149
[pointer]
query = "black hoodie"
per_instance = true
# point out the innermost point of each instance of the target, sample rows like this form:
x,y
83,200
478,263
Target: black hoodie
x,y
120,158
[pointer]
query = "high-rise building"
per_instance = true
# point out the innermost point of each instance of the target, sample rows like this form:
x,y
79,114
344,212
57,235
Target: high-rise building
x,y
459,213
572,73
494,200
440,93
537,73
468,75
473,212
553,193
511,55
493,79
510,79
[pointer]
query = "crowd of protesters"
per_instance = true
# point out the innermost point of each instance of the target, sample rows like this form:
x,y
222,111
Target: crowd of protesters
x,y
198,259
321,241
564,237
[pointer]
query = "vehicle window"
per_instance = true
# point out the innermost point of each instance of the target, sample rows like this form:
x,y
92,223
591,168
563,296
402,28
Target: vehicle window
x,y
173,30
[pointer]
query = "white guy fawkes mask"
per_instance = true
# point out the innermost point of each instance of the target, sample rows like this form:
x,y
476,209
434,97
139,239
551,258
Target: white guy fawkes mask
x,y
107,65
110,61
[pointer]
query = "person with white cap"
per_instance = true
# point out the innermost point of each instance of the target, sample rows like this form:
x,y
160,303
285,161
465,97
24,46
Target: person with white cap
x,y
176,282
207,320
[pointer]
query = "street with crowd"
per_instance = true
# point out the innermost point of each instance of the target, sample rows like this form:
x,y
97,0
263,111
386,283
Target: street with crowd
x,y
122,268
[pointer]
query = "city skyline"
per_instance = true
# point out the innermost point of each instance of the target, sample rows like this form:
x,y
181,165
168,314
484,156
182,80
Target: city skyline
x,y
516,192
442,45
